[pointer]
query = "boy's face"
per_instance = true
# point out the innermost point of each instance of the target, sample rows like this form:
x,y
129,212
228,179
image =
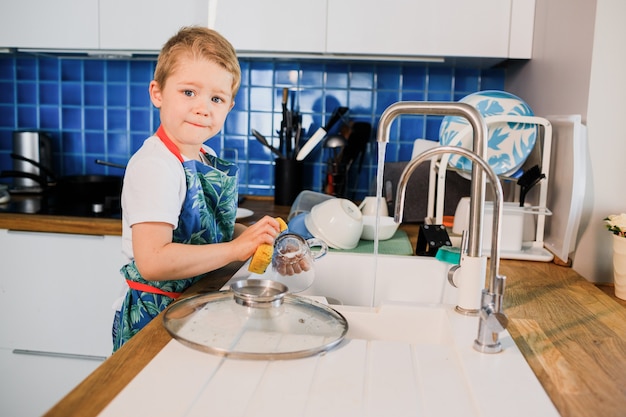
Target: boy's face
x,y
194,102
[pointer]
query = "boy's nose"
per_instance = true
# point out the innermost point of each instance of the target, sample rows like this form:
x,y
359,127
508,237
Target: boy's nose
x,y
202,111
202,107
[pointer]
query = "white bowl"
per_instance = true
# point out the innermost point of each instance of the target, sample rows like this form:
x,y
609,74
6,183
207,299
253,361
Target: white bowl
x,y
338,222
386,228
509,143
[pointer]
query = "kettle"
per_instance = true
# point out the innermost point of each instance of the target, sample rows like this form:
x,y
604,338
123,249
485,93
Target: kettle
x,y
32,157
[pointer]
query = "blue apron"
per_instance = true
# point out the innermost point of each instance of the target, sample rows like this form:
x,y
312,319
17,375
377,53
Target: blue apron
x,y
207,216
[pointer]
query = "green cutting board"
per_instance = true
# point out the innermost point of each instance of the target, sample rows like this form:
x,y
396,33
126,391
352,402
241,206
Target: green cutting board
x,y
399,244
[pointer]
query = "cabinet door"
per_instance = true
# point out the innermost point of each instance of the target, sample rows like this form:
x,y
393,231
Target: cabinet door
x,y
450,28
145,25
58,24
272,26
56,291
32,384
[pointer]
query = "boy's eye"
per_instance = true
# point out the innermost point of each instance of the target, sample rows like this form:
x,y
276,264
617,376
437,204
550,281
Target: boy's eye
x,y
217,99
188,93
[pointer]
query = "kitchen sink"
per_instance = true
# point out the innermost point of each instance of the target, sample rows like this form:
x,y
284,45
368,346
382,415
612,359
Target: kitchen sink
x,y
364,280
401,316
398,323
407,352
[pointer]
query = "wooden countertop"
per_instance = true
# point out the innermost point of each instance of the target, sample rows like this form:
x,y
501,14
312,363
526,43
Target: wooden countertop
x,y
61,224
572,334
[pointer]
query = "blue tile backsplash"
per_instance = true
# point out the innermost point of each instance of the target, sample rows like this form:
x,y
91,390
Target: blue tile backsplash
x,y
100,109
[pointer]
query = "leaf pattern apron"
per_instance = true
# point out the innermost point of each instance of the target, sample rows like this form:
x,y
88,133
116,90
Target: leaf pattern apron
x,y
207,216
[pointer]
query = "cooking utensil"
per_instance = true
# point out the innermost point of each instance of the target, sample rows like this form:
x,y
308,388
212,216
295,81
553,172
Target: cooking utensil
x,y
528,180
321,132
40,174
336,143
360,133
110,164
286,125
5,197
247,321
90,189
296,148
265,143
261,293
296,126
33,146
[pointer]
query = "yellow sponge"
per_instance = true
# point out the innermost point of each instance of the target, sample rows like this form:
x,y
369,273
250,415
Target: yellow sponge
x,y
263,255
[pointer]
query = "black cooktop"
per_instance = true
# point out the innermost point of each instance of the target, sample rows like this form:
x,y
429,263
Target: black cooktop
x,y
53,205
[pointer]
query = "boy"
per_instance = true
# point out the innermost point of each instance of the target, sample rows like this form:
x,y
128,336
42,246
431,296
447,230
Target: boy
x,y
179,200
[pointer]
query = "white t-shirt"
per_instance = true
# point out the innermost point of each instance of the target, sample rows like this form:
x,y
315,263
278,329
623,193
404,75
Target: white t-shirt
x,y
154,189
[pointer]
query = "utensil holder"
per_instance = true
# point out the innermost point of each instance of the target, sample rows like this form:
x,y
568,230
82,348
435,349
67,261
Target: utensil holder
x,y
287,181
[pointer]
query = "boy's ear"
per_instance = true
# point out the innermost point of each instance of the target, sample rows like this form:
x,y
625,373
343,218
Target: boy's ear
x,y
155,94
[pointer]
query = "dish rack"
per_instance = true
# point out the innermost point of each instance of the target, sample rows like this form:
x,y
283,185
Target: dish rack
x,y
531,250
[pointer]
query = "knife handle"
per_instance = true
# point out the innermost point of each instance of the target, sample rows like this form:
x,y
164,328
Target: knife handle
x,y
285,95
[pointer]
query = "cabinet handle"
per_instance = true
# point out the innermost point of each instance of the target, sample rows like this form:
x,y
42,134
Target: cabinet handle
x,y
55,234
59,355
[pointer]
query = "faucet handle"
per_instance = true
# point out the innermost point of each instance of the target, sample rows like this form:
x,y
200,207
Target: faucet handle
x,y
464,241
492,321
495,320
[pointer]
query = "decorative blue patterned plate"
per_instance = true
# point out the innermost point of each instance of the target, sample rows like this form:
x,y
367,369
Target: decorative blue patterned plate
x,y
509,143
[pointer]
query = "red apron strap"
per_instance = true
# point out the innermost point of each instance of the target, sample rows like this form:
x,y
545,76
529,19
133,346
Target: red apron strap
x,y
168,143
150,289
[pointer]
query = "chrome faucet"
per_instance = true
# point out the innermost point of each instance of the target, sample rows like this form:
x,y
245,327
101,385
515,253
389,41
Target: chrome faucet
x,y
492,319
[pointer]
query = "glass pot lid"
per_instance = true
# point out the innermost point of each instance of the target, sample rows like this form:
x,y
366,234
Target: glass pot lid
x,y
256,319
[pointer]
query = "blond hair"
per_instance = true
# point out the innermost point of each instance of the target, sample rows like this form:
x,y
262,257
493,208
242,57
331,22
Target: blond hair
x,y
197,42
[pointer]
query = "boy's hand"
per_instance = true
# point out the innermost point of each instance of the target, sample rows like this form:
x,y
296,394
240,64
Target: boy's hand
x,y
263,253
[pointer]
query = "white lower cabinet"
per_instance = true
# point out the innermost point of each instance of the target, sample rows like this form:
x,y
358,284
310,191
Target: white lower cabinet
x,y
56,296
31,384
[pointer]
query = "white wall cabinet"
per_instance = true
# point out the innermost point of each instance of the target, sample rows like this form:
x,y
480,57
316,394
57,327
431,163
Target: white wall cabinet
x,y
111,25
297,26
442,28
67,24
371,28
56,296
145,25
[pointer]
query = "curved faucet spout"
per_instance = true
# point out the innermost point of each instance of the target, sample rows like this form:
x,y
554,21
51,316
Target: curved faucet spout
x,y
492,318
479,147
496,188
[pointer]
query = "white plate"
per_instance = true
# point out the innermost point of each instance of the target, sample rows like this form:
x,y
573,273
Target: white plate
x,y
509,143
242,213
